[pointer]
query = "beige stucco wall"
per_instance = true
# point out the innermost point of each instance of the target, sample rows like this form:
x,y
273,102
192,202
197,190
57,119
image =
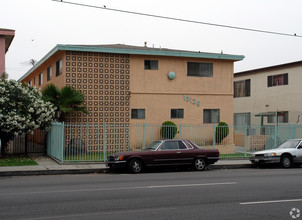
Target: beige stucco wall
x,y
154,91
114,84
272,99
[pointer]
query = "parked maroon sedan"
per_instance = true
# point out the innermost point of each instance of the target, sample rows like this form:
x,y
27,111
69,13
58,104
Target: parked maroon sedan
x,y
164,153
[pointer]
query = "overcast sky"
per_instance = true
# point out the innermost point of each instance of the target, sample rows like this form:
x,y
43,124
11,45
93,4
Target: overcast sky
x,y
41,24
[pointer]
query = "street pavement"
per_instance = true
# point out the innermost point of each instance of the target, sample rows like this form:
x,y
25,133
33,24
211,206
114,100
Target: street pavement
x,y
266,193
48,166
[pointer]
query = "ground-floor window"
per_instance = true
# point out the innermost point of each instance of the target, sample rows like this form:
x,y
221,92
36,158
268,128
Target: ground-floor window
x,y
242,119
177,113
137,113
211,116
282,117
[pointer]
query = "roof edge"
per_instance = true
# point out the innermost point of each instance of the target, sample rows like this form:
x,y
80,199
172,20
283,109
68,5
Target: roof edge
x,y
40,62
296,63
159,52
151,52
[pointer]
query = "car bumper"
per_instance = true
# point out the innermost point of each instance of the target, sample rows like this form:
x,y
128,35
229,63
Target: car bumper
x,y
212,160
116,164
275,159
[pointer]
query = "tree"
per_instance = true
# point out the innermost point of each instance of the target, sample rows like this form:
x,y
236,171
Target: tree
x,y
22,110
66,100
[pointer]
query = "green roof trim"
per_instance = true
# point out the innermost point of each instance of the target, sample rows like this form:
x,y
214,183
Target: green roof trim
x,y
124,49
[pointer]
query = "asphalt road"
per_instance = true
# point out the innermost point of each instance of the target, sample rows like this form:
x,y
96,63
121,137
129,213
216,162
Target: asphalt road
x,y
213,194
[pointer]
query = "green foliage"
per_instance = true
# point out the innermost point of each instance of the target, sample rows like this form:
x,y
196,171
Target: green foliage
x,y
22,110
168,130
66,100
222,131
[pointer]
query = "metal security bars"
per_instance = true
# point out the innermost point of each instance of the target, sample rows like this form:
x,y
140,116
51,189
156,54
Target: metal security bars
x,y
28,144
88,142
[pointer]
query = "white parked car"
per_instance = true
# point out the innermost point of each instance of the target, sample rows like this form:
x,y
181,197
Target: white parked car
x,y
286,154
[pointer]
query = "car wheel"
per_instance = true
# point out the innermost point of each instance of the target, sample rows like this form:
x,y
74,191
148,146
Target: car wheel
x,y
135,166
200,164
286,161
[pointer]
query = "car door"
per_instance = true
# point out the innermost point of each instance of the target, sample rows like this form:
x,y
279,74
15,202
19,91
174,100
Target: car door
x,y
298,153
167,153
185,154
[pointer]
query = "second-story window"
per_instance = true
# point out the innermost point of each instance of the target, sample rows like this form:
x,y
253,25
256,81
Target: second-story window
x,y
200,69
277,80
49,73
151,64
59,67
40,79
242,88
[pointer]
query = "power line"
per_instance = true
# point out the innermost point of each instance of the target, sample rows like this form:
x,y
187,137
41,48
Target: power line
x,y
179,19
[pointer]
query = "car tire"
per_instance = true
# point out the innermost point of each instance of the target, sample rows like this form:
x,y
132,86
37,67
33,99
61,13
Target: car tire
x,y
135,166
199,164
286,161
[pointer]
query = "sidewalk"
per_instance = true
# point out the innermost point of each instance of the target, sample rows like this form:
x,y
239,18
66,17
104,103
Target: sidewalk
x,y
47,166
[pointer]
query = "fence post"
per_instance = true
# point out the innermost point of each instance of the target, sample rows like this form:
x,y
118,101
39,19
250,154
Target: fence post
x,y
105,141
25,143
275,133
245,139
62,140
214,136
180,127
144,135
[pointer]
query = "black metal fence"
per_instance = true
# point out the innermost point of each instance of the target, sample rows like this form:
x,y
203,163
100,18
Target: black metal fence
x,y
28,144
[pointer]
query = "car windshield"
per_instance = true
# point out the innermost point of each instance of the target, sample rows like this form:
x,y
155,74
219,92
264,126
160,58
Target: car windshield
x,y
289,144
153,145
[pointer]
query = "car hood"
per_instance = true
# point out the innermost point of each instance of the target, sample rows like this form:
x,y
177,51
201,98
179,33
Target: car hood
x,y
277,151
132,153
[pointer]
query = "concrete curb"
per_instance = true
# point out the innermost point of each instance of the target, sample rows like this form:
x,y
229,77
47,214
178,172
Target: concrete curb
x,y
53,172
232,166
98,170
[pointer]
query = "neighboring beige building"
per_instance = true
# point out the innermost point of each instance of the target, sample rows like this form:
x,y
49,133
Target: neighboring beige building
x,y
267,92
129,84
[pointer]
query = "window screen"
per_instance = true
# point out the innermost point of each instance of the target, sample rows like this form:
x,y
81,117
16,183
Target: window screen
x,y
200,69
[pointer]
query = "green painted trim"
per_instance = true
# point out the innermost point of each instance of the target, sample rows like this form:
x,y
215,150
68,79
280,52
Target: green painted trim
x,y
152,52
132,51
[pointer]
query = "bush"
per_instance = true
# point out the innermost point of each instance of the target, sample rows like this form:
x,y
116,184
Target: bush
x,y
168,130
22,110
222,131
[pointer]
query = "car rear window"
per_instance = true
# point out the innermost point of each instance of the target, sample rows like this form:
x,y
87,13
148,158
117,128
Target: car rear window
x,y
181,145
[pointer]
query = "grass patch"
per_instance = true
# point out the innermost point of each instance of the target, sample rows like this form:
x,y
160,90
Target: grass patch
x,y
22,160
236,155
90,157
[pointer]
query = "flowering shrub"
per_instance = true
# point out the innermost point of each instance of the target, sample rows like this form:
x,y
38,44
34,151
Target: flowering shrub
x,y
22,110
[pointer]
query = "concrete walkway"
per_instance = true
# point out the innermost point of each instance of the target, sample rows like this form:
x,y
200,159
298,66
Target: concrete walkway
x,y
48,166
